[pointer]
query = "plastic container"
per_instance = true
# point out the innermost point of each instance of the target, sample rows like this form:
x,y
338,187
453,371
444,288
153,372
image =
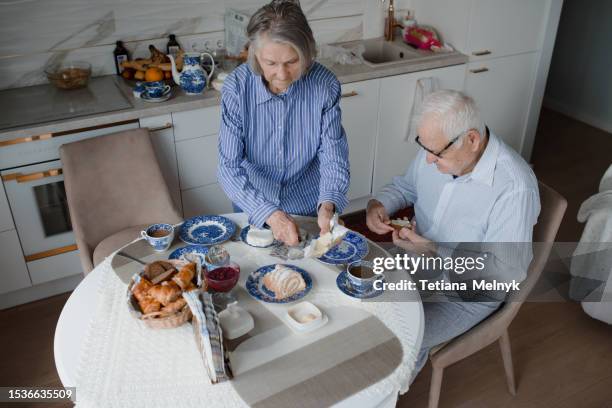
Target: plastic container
x,y
305,317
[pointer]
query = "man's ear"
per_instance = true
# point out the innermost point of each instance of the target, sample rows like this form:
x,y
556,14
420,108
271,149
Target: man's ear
x,y
474,139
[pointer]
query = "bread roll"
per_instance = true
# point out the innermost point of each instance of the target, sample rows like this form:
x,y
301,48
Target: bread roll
x,y
284,282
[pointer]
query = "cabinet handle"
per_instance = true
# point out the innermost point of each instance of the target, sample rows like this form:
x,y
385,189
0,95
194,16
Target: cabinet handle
x,y
24,178
481,53
349,94
479,70
46,136
51,252
164,127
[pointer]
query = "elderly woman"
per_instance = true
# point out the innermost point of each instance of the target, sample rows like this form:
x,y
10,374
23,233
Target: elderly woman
x,y
282,148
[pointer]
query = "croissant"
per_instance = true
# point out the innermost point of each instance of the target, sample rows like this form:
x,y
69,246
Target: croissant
x,y
185,276
141,289
284,282
165,293
149,305
175,306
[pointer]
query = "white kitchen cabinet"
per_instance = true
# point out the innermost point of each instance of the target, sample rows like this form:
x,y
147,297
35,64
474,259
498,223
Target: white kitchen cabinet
x,y
502,89
55,267
486,29
197,161
359,106
208,199
196,123
394,148
6,219
13,273
164,146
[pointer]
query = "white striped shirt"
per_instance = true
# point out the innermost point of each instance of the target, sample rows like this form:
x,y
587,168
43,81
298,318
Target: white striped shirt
x,y
286,151
498,202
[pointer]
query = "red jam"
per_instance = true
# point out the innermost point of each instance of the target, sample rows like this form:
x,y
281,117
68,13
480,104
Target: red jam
x,y
223,279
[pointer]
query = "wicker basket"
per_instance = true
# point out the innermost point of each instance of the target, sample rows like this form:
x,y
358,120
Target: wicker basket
x,y
152,320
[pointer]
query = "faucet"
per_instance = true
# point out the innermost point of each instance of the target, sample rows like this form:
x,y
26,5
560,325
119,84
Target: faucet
x,y
390,23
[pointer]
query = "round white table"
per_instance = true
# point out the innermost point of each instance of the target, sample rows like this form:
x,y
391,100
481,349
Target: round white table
x,y
78,311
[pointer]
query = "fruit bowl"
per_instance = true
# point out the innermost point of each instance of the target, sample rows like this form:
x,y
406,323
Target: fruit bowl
x,y
69,74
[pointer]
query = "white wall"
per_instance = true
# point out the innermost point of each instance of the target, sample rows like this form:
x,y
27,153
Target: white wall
x,y
34,33
580,78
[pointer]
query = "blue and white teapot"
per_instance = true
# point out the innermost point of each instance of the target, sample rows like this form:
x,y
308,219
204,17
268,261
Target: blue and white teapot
x,y
192,79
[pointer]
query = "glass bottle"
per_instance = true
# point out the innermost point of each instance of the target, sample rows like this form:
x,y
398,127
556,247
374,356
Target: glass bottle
x,y
121,55
173,46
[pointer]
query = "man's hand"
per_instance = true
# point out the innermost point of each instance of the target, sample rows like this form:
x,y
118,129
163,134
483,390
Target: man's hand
x,y
408,239
377,218
326,212
284,228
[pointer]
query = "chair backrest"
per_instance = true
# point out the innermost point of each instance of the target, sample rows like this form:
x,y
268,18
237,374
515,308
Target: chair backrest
x,y
113,182
553,207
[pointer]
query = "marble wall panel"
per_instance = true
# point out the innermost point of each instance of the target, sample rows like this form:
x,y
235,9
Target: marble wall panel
x,y
31,26
27,70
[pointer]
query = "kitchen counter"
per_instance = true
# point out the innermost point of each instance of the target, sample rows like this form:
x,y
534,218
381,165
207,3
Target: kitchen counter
x,y
182,102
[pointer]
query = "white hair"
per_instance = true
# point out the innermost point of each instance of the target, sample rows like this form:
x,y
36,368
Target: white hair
x,y
455,113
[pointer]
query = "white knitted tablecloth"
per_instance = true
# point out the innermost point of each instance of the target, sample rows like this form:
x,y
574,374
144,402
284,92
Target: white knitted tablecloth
x,y
124,364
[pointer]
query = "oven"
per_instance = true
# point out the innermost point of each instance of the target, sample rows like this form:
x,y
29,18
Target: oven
x,y
38,203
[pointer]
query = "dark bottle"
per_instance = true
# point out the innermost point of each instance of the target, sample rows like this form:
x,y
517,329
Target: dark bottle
x,y
121,55
173,46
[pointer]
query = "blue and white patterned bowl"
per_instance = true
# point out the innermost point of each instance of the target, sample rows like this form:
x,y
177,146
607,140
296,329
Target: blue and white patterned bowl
x,y
207,230
200,251
353,247
258,290
344,284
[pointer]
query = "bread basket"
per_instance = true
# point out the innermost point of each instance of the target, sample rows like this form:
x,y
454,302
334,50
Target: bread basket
x,y
158,320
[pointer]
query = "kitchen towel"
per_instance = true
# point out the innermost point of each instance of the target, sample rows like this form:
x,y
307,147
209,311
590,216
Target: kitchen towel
x,y
423,87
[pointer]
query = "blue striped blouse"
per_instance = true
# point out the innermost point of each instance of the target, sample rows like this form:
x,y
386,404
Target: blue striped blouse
x,y
286,151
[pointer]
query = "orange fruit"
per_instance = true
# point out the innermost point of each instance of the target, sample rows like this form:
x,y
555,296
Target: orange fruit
x,y
139,75
154,74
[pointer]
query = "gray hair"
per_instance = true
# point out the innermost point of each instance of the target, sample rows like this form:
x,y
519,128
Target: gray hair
x,y
282,21
456,113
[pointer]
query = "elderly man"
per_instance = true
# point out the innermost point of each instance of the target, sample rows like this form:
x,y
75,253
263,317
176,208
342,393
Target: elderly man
x,y
467,187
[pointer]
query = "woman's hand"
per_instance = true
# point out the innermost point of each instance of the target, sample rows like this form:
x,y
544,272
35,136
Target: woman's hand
x,y
377,218
326,213
284,228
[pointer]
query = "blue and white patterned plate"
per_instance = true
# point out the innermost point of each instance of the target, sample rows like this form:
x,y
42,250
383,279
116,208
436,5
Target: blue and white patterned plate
x,y
345,287
243,236
258,290
200,251
207,230
353,247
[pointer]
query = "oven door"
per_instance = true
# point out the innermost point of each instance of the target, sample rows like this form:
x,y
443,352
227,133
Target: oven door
x,y
38,202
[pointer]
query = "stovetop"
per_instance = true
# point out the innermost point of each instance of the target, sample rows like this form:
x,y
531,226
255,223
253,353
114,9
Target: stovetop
x,y
45,103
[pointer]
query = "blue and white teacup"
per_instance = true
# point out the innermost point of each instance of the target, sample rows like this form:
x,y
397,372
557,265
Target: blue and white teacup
x,y
156,89
361,275
159,236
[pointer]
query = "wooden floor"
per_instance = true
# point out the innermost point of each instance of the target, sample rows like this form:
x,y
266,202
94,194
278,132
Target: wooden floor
x,y
562,357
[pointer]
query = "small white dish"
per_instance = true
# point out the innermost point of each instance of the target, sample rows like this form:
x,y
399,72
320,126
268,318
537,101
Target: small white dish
x,y
305,317
235,321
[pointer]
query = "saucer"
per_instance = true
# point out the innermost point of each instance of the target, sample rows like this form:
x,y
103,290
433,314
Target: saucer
x,y
353,247
207,230
345,287
165,96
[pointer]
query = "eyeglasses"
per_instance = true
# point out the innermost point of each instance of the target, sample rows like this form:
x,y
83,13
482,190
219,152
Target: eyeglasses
x,y
439,154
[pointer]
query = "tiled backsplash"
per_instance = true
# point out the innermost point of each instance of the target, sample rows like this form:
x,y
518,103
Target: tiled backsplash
x,y
34,33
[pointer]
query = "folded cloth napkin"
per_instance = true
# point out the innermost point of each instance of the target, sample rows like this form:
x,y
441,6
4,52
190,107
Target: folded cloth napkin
x,y
209,337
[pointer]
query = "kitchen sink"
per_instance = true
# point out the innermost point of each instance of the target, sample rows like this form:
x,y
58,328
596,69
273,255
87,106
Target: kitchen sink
x,y
379,52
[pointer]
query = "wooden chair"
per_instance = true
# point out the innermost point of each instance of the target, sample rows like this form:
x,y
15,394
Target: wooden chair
x,y
114,187
495,327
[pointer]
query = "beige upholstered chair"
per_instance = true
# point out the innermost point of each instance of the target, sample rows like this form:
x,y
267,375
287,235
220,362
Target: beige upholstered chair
x,y
495,327
114,187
